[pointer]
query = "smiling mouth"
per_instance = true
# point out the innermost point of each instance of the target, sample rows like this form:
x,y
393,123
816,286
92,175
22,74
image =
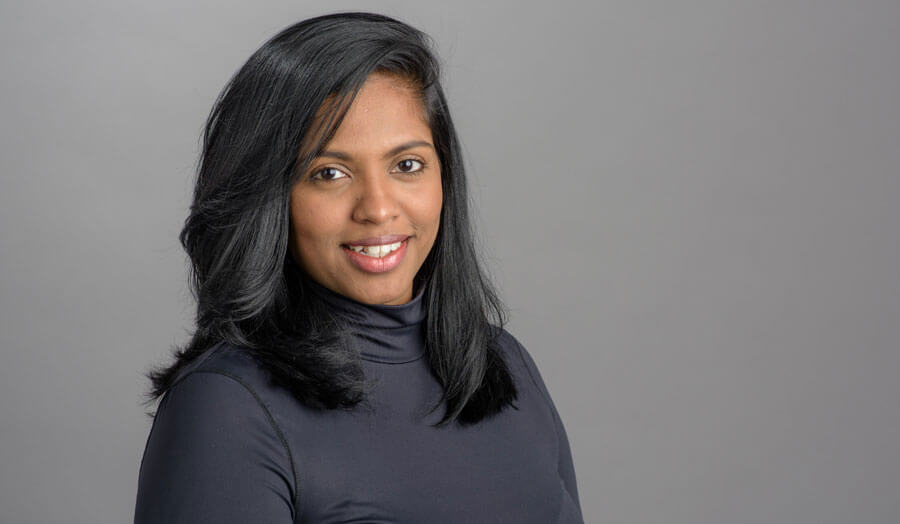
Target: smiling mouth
x,y
376,258
376,251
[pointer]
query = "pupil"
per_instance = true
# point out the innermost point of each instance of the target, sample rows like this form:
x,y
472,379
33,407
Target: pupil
x,y
406,164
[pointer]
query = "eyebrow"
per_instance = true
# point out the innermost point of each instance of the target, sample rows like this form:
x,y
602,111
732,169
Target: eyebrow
x,y
340,155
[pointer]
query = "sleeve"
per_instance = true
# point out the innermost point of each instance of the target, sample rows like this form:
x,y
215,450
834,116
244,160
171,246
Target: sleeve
x,y
214,454
565,465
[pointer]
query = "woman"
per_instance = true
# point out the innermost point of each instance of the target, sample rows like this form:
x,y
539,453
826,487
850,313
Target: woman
x,y
349,362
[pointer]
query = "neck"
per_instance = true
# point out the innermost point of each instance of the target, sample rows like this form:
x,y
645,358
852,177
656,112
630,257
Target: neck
x,y
384,333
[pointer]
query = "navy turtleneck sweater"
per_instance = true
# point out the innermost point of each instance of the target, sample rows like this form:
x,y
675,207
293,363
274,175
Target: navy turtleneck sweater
x,y
226,446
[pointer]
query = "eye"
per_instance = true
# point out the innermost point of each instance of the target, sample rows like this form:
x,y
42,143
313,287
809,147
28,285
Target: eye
x,y
408,165
328,174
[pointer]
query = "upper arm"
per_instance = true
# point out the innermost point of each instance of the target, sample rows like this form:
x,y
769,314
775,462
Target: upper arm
x,y
566,466
214,454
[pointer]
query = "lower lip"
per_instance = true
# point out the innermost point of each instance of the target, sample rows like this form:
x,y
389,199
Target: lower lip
x,y
377,265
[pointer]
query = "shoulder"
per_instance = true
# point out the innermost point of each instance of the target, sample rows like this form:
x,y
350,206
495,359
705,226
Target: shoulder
x,y
223,382
222,394
519,360
226,360
218,407
513,350
214,437
224,385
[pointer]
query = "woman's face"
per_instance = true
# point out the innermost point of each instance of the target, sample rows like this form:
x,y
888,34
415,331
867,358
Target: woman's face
x,y
366,212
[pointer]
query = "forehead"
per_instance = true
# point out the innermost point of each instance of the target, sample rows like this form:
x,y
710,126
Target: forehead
x,y
386,109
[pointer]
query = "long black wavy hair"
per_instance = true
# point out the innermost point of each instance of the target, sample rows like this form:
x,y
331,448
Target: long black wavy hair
x,y
250,292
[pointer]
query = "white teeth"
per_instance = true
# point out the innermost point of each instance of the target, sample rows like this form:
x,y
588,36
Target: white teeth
x,y
376,251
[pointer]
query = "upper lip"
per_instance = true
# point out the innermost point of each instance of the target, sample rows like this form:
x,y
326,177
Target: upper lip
x,y
378,241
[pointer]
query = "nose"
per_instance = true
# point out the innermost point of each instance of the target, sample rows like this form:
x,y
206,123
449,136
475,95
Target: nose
x,y
376,199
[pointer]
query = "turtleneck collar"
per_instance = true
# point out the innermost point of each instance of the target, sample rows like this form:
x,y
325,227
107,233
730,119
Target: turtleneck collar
x,y
388,334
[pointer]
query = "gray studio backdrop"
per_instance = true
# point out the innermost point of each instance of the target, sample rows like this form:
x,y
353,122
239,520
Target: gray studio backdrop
x,y
690,207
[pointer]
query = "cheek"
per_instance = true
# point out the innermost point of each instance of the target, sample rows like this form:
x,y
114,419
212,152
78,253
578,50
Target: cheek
x,y
429,206
313,234
311,221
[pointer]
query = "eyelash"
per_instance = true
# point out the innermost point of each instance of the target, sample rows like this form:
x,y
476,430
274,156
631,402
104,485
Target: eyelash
x,y
316,174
